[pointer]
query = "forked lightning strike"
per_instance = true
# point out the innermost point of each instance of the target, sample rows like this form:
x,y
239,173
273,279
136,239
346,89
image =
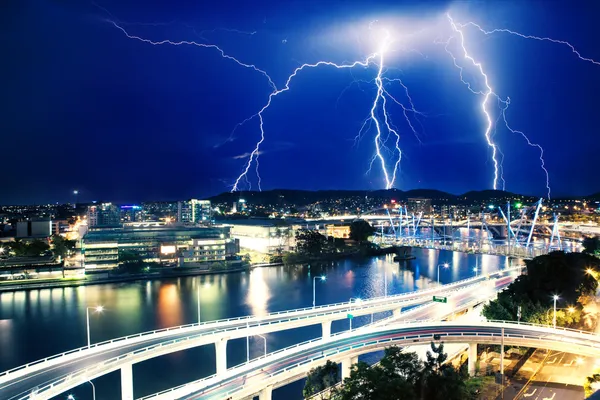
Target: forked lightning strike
x,y
379,115
456,27
380,98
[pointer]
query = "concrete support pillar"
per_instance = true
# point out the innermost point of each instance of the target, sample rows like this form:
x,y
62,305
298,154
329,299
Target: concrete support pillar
x,y
266,393
397,312
127,382
221,356
347,366
472,358
326,329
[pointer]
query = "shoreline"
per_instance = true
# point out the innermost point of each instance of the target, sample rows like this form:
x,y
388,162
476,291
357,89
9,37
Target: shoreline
x,y
98,281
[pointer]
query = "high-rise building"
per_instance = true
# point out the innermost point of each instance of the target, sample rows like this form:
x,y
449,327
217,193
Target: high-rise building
x,y
194,211
103,214
419,205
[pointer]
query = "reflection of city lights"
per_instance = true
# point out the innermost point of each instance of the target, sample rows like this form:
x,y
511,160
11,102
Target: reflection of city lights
x,y
258,293
579,361
169,306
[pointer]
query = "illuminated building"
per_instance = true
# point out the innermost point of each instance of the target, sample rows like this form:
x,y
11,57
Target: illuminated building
x,y
103,215
263,235
194,211
131,213
164,244
419,205
338,231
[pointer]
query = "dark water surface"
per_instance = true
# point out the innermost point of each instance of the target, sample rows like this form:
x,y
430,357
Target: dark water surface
x,y
39,323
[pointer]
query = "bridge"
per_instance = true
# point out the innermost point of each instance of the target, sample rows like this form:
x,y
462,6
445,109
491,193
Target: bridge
x,y
262,375
51,376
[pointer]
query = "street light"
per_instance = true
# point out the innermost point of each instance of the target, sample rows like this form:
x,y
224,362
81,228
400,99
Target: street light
x,y
322,278
198,289
357,300
569,309
445,265
93,390
475,270
87,317
555,297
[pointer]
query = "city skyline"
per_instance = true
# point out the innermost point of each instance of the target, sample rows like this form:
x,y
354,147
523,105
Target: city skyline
x,y
124,120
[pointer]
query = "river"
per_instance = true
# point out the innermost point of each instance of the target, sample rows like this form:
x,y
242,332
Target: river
x,y
39,323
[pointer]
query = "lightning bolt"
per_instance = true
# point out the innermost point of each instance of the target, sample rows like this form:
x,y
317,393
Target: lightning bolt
x,y
541,39
193,43
487,93
381,98
543,164
276,92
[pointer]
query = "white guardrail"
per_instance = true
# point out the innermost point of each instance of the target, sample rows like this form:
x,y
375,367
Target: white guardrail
x,y
378,323
111,364
538,336
363,304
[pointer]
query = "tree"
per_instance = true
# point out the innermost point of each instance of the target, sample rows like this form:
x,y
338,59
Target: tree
x,y
361,230
591,245
401,376
591,384
310,242
321,378
372,383
564,274
37,248
59,247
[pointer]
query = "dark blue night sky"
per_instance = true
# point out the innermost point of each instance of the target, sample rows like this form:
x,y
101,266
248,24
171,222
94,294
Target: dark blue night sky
x,y
84,107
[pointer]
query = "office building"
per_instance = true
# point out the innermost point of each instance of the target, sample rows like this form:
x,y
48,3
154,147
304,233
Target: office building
x,y
194,212
419,205
154,242
34,229
103,215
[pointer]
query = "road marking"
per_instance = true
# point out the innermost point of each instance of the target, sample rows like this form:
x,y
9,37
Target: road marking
x,y
530,394
550,398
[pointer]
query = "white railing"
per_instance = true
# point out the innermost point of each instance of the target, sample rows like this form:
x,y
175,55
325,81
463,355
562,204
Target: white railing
x,y
363,305
361,328
539,337
110,364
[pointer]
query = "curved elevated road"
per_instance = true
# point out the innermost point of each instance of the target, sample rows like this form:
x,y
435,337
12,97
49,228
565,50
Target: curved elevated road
x,y
286,366
64,371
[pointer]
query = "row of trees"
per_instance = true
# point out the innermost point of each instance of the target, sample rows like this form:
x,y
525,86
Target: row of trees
x,y
399,376
571,276
35,248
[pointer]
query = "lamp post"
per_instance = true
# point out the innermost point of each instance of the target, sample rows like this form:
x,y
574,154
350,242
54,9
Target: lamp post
x,y
475,270
87,317
555,297
93,390
198,289
75,193
445,265
357,300
570,310
323,278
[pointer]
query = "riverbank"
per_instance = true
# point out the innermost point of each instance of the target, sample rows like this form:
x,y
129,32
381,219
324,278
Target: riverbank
x,y
32,284
361,252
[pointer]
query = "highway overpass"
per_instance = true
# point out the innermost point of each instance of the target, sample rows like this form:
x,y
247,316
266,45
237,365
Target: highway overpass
x,y
46,378
261,376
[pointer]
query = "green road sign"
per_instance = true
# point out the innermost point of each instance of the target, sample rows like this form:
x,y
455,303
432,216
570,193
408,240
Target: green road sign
x,y
350,316
439,299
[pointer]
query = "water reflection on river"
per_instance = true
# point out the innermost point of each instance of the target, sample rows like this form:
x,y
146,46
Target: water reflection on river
x,y
39,323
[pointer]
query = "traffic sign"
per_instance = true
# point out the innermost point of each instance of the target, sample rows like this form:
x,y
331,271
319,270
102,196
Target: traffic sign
x,y
350,316
439,299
